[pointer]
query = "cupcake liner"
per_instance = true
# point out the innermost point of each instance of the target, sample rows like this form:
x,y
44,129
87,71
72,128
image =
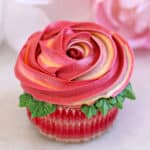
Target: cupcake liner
x,y
71,125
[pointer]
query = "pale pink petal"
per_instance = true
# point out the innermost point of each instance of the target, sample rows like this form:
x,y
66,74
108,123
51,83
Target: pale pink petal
x,y
128,17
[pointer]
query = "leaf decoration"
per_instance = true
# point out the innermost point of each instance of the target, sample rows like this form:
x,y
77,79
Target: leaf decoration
x,y
103,105
89,111
37,108
119,101
24,100
129,93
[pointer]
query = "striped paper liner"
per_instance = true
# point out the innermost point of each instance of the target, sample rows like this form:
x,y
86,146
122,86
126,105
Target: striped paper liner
x,y
71,125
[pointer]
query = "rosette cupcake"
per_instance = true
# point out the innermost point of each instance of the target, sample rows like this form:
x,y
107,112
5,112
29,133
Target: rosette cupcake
x,y
75,77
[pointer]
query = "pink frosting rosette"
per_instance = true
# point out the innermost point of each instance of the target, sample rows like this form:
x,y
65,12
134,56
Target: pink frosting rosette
x,y
130,18
74,63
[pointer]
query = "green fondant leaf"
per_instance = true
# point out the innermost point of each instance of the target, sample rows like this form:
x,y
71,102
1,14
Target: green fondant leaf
x,y
112,101
89,111
37,108
103,106
129,93
119,101
42,109
99,103
24,100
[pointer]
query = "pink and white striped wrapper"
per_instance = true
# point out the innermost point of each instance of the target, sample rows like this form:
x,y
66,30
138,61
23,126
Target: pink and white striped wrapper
x,y
71,125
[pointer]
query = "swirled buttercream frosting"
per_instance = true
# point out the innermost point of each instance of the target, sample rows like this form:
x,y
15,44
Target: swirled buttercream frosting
x,y
74,63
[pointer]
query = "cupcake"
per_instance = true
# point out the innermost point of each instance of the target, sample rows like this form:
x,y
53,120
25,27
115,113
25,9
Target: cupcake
x,y
75,76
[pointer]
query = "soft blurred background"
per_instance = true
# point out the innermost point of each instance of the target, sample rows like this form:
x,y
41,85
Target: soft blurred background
x,y
20,18
23,17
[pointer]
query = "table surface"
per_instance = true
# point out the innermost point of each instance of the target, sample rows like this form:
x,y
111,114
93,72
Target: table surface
x,y
131,129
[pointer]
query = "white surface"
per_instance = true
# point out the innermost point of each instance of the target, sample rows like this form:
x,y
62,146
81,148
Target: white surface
x,y
131,131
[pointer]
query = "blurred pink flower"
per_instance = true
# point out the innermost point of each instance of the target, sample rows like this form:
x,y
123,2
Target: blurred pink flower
x,y
131,18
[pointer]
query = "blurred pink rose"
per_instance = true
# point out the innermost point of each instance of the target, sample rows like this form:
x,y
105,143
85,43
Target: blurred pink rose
x,y
131,18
